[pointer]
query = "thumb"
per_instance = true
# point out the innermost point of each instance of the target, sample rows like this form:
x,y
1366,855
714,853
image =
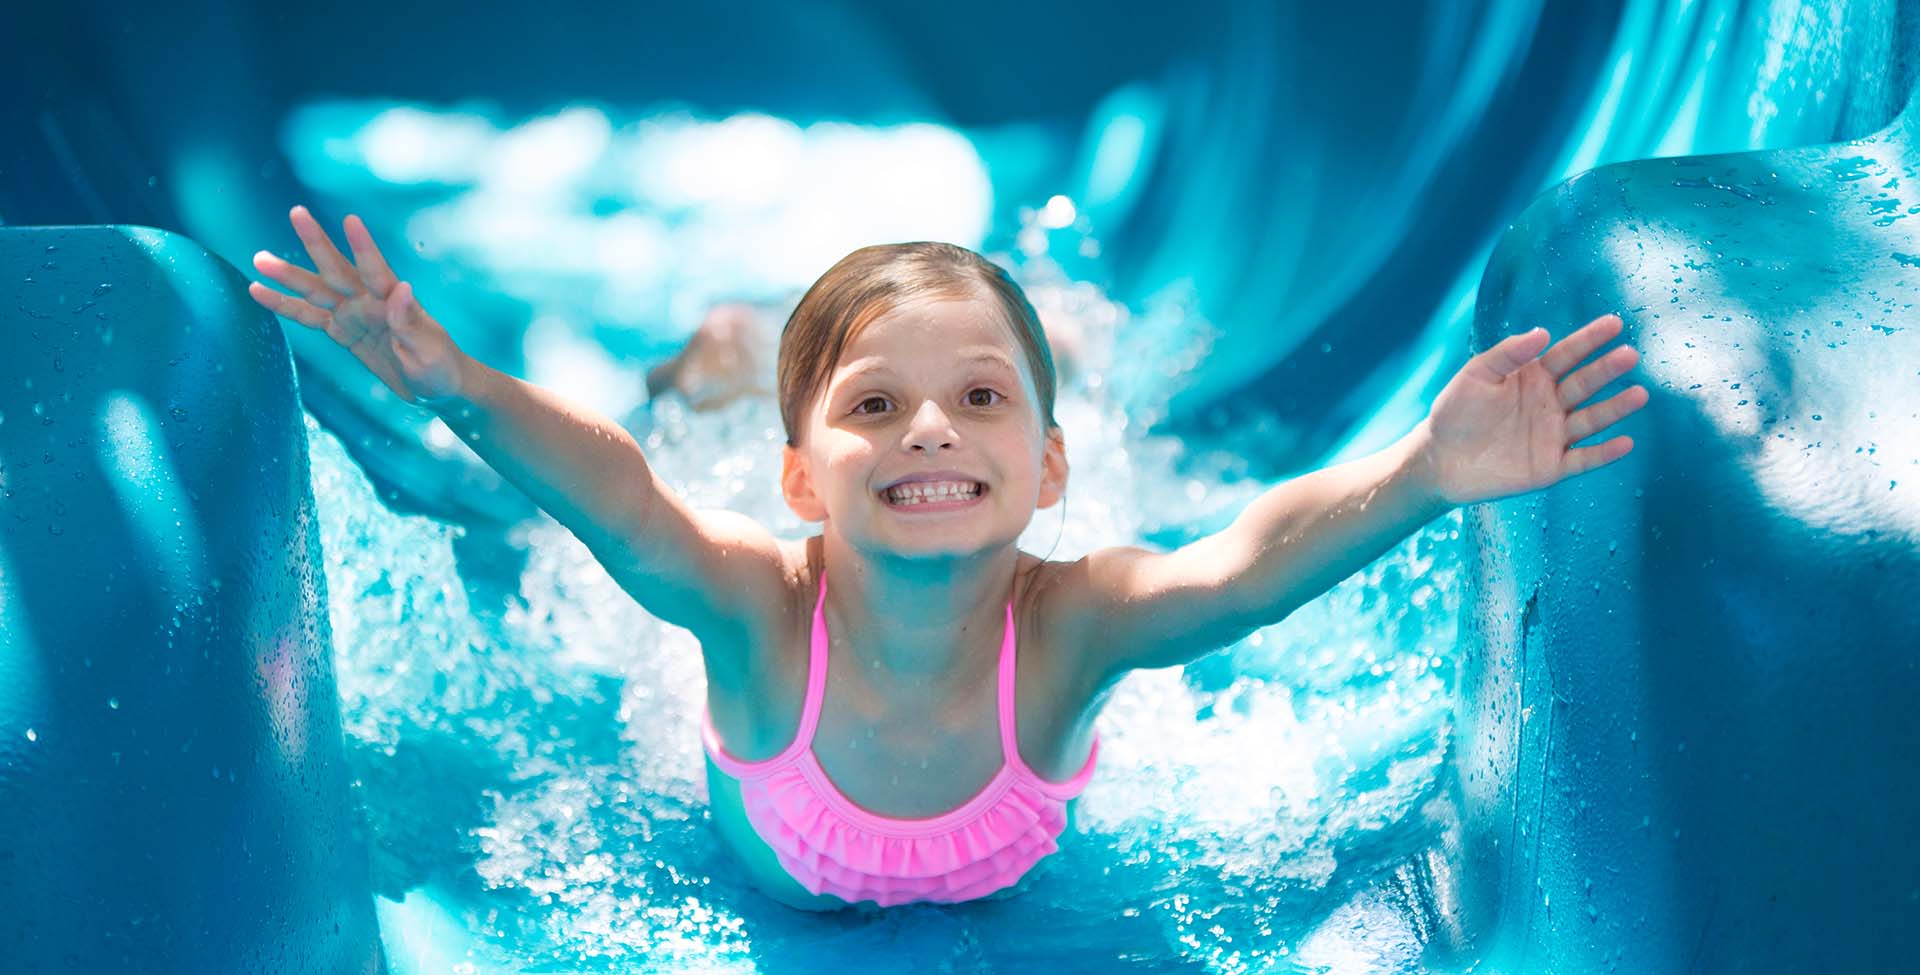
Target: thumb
x,y
1514,351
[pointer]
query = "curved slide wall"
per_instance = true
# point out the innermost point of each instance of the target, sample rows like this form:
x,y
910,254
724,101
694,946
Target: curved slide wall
x,y
1687,731
173,794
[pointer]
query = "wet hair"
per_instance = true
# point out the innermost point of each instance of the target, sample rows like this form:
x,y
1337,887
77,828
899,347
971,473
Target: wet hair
x,y
872,281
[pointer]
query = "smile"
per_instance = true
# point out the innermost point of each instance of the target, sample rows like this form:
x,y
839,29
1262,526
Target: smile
x,y
933,496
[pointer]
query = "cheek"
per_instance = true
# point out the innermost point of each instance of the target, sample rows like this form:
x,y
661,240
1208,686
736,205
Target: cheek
x,y
847,458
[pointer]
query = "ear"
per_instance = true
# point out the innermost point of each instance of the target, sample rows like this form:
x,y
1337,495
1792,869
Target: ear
x,y
1053,468
797,484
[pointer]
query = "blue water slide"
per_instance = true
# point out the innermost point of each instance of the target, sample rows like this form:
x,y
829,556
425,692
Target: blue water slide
x,y
1686,733
1682,740
173,790
1317,182
1328,181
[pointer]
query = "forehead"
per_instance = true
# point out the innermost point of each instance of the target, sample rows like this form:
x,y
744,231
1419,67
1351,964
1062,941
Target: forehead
x,y
949,322
932,333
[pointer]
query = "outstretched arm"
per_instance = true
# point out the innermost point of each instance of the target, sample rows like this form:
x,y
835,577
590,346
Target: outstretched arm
x,y
1504,425
719,574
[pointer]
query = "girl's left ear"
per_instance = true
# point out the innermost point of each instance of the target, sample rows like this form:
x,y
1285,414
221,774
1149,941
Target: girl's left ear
x,y
797,485
1053,468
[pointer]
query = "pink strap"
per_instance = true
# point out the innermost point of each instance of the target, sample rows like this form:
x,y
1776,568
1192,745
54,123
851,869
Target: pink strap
x,y
809,708
1009,733
1010,730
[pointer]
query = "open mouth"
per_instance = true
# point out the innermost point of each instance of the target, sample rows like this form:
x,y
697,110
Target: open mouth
x,y
933,495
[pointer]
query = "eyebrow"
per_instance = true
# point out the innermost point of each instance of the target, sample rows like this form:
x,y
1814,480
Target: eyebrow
x,y
873,364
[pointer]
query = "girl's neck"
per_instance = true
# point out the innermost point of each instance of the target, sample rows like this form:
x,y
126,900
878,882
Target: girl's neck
x,y
915,618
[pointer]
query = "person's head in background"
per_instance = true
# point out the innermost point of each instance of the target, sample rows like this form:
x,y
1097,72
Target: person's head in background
x,y
905,360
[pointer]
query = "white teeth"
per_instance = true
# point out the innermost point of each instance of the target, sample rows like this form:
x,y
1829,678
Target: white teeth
x,y
921,492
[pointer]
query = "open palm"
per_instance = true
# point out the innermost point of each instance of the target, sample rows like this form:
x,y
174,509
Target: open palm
x,y
364,308
1507,421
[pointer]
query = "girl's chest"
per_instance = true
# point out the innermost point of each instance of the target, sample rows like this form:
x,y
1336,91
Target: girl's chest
x,y
921,751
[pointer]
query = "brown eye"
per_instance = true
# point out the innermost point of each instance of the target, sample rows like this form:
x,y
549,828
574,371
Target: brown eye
x,y
974,397
862,408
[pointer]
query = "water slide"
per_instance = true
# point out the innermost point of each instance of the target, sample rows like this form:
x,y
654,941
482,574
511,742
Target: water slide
x,y
1720,723
1264,168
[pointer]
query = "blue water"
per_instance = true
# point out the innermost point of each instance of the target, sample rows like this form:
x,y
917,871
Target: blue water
x,y
527,755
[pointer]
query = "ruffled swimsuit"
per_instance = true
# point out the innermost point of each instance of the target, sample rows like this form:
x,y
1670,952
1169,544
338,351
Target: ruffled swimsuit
x,y
831,846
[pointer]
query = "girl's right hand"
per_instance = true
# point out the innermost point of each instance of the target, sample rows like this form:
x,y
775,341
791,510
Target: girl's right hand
x,y
362,307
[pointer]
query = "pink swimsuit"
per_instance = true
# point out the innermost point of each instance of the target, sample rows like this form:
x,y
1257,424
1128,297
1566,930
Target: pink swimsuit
x,y
832,846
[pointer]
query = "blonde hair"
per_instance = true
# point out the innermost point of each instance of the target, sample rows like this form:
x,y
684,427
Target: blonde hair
x,y
874,280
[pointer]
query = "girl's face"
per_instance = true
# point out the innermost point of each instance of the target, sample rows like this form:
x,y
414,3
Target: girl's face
x,y
927,440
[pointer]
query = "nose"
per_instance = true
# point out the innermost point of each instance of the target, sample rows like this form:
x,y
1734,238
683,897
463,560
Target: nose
x,y
930,429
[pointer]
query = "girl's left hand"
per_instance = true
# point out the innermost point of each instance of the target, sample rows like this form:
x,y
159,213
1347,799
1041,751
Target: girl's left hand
x,y
1504,424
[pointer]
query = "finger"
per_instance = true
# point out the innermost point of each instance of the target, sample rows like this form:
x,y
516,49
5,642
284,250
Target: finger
x,y
1585,423
288,306
1575,389
1512,352
1572,349
1584,459
333,266
297,278
373,266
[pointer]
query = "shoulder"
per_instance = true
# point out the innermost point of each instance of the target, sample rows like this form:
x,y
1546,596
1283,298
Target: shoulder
x,y
757,672
775,634
1124,608
1056,610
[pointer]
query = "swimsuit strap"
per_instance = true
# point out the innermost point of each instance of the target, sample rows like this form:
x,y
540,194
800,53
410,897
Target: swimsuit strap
x,y
1009,730
816,672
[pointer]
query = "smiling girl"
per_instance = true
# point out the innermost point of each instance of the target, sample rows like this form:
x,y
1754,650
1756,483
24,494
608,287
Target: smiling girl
x,y
901,707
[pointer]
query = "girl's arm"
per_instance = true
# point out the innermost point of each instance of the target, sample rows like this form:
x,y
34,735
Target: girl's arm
x,y
719,574
1149,609
1504,425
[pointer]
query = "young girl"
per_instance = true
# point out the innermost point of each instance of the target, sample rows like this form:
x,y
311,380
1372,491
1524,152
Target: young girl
x,y
901,707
